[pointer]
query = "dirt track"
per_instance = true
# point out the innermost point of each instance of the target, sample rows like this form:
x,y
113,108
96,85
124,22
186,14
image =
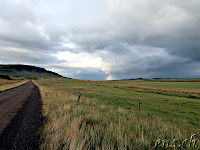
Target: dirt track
x,y
20,118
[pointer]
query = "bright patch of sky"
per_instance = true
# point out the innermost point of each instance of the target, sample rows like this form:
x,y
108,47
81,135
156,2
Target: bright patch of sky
x,y
82,60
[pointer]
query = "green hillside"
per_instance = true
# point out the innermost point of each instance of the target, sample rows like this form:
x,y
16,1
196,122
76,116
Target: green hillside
x,y
27,71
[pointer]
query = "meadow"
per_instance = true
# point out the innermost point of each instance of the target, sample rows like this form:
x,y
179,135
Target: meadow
x,y
138,114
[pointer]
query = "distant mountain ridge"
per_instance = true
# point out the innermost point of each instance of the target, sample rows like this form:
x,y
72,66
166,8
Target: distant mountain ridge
x,y
27,71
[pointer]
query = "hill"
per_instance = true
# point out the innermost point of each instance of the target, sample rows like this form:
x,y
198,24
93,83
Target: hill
x,y
5,77
27,71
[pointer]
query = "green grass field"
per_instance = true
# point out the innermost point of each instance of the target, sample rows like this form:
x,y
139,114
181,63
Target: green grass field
x,y
184,122
190,85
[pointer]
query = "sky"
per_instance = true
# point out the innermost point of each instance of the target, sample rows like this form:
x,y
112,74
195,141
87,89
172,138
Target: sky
x,y
97,39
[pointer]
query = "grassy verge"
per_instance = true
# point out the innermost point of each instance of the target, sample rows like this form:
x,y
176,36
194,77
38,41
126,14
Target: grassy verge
x,y
108,117
8,84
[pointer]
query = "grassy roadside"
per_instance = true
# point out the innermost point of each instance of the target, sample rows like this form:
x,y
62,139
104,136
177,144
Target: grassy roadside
x,y
8,84
108,117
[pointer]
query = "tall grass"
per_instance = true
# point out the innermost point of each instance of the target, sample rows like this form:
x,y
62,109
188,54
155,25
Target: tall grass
x,y
90,124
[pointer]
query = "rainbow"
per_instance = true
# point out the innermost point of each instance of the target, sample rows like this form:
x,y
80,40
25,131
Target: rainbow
x,y
108,77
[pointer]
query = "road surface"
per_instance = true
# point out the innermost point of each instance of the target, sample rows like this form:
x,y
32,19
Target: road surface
x,y
20,118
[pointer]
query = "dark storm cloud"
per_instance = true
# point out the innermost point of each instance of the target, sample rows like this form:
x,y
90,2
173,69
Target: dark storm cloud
x,y
130,39
24,56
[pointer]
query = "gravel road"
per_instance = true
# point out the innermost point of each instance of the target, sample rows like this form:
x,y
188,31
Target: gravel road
x,y
20,118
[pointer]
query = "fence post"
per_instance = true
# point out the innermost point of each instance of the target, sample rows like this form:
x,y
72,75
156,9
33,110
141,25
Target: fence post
x,y
79,97
139,106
